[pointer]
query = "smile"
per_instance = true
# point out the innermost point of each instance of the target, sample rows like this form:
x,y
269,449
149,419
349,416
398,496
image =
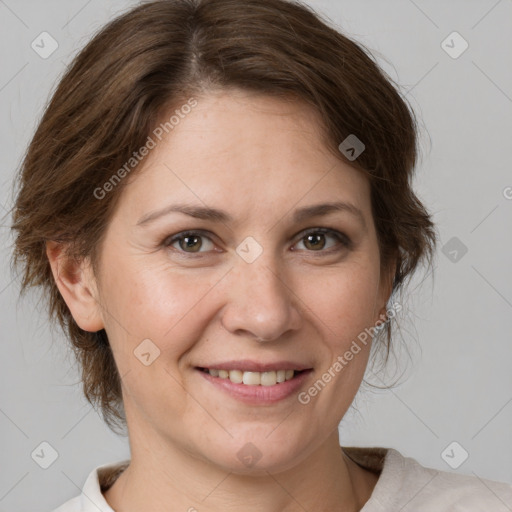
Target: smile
x,y
256,388
270,378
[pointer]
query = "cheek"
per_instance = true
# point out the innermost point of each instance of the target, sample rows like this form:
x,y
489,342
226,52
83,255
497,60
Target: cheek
x,y
342,299
154,302
163,306
341,309
170,304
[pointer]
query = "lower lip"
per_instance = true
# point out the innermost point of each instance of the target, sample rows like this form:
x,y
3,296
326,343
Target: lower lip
x,y
255,395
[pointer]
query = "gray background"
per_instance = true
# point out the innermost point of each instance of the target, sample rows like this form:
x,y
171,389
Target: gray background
x,y
457,384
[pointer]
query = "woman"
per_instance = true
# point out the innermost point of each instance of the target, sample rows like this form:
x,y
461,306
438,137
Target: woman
x,y
218,204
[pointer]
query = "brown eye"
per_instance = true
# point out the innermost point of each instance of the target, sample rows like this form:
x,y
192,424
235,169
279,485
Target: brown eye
x,y
192,242
315,240
188,242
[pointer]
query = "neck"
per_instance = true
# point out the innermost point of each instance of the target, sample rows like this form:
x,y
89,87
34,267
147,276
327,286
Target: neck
x,y
172,478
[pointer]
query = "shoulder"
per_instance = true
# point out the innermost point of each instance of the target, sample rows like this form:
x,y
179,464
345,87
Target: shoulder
x,y
406,485
73,505
91,499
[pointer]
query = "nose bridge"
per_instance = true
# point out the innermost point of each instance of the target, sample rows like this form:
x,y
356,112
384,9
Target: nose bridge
x,y
260,302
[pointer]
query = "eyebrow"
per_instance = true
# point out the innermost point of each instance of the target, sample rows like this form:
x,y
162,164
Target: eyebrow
x,y
216,215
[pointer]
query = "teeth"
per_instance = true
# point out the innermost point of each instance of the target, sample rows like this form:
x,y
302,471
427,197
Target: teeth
x,y
254,378
251,378
235,376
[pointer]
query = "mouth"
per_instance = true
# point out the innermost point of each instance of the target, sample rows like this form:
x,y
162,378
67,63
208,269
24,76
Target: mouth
x,y
257,388
253,378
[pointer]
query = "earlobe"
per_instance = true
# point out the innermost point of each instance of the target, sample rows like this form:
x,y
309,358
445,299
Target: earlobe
x,y
386,289
77,285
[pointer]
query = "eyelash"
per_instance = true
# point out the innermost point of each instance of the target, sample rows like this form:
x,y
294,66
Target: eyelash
x,y
340,237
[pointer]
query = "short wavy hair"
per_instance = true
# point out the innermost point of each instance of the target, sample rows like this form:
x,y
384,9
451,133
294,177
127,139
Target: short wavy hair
x,y
149,60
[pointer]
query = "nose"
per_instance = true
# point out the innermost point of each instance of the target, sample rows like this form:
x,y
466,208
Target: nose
x,y
259,303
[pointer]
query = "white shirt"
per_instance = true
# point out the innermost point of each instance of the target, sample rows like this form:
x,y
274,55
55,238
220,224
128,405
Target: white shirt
x,y
403,485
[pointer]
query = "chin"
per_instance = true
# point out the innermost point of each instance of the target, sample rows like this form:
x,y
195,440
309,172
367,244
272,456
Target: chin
x,y
258,453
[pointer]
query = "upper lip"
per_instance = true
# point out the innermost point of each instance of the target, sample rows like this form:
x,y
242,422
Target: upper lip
x,y
247,365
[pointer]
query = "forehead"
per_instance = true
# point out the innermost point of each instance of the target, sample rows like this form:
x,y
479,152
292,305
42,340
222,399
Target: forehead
x,y
233,123
245,150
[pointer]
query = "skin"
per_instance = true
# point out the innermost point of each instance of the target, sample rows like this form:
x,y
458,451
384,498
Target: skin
x,y
259,158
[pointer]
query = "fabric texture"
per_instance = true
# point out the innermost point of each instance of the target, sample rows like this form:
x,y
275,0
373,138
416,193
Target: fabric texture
x,y
404,485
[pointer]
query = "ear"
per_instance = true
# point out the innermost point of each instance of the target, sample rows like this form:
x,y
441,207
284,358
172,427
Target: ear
x,y
385,288
77,285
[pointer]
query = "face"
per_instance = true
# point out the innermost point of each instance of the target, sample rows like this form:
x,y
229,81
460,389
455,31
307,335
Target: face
x,y
258,285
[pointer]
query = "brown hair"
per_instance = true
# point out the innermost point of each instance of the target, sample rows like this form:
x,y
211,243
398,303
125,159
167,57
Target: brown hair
x,y
151,59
